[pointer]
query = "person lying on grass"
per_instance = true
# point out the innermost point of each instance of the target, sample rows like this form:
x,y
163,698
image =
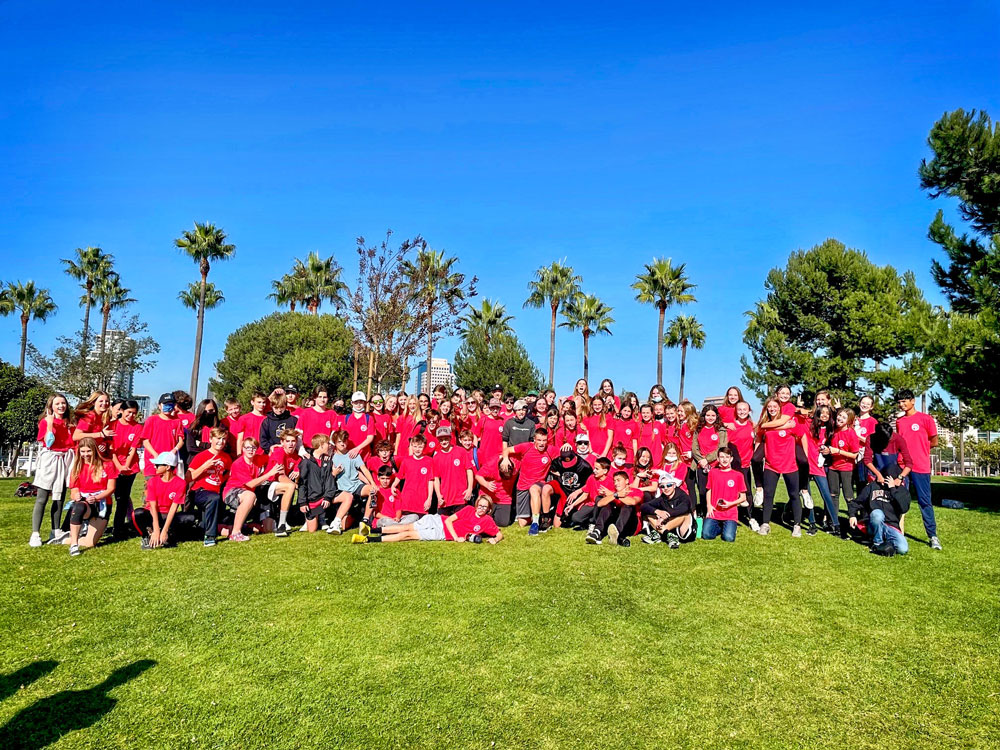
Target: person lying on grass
x,y
470,524
318,482
354,482
669,512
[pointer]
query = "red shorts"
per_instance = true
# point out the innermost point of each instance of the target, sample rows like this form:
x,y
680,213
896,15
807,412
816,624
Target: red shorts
x,y
560,496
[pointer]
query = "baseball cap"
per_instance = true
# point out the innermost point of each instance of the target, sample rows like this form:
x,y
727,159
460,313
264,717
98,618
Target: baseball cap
x,y
533,393
497,387
165,459
291,389
520,404
443,430
358,396
668,480
495,402
167,398
582,438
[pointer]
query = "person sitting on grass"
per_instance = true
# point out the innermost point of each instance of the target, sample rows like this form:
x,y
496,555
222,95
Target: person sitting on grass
x,y
581,510
569,475
880,507
725,490
615,512
318,482
162,521
354,483
91,487
286,455
670,512
470,524
247,486
383,505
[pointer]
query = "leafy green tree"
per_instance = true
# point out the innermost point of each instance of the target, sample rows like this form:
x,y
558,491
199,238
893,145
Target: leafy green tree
x,y
110,295
833,319
300,348
28,302
553,286
191,296
663,285
964,342
587,314
22,402
91,265
684,331
205,245
486,321
503,359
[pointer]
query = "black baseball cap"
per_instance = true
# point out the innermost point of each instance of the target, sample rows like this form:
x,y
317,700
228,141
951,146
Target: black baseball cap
x,y
167,398
291,389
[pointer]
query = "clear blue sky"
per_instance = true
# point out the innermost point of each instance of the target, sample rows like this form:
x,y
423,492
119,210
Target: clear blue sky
x,y
511,135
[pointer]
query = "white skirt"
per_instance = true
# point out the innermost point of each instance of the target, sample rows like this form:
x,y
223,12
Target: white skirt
x,y
52,472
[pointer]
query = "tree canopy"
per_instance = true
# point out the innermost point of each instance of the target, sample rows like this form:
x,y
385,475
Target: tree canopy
x,y
503,359
22,402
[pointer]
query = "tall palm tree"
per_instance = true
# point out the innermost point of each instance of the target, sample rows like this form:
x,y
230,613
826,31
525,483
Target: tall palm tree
x,y
318,279
109,294
91,266
586,313
207,243
189,297
433,283
488,320
684,331
663,285
287,291
30,302
552,287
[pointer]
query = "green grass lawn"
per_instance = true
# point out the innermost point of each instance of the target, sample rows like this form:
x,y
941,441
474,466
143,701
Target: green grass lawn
x,y
535,643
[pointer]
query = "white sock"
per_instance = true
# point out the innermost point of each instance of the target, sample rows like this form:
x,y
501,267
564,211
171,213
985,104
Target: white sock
x,y
282,517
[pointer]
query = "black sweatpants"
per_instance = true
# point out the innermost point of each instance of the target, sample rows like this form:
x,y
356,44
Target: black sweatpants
x,y
582,515
123,507
791,485
621,516
183,528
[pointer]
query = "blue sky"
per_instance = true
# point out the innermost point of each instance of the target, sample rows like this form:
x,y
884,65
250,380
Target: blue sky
x,y
723,136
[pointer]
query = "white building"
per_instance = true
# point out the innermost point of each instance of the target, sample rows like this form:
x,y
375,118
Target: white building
x,y
441,374
123,381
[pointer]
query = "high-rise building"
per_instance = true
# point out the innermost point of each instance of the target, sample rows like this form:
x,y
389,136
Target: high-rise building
x,y
441,374
715,401
123,381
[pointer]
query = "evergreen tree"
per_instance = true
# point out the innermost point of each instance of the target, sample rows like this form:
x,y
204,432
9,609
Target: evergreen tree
x,y
503,359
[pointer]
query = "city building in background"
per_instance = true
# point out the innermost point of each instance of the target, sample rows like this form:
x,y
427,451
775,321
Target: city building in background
x,y
713,401
123,380
441,374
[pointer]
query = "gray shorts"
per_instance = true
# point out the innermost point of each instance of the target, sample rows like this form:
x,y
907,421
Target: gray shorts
x,y
430,528
522,501
405,518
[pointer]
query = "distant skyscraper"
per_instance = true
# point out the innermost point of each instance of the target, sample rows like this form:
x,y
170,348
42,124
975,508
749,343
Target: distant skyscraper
x,y
441,374
123,381
713,401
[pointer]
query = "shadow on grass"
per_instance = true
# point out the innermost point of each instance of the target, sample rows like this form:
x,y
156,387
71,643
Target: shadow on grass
x,y
11,683
48,719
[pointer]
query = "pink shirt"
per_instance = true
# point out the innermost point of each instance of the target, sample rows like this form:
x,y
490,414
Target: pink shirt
x,y
916,432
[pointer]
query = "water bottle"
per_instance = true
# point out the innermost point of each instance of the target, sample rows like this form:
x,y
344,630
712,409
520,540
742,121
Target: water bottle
x,y
474,538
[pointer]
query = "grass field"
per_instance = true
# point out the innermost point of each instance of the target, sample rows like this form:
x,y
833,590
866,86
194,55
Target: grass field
x,y
535,643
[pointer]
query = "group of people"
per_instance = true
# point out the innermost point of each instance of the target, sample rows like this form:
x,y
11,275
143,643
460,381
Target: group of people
x,y
462,465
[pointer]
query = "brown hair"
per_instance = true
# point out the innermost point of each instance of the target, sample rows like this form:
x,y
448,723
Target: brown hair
x,y
319,440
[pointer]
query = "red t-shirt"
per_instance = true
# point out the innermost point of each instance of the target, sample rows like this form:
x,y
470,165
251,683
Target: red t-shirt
x,y
250,425
383,425
91,422
415,473
503,492
233,425
779,450
593,487
812,452
161,495
467,522
865,426
289,463
432,446
625,431
313,422
452,469
186,418
599,439
844,440
88,485
725,486
651,436
685,438
62,432
490,434
916,432
740,438
359,428
386,503
406,427
727,413
374,463
564,435
241,472
680,471
163,434
534,464
788,409
213,479
127,437
708,441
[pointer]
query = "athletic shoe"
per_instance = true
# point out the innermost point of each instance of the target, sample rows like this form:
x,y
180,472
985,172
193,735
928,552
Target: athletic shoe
x,y
765,529
613,534
796,531
337,527
590,527
35,540
650,535
209,542
624,542
57,536
281,531
812,530
592,537
807,500
325,526
673,541
364,529
758,497
358,539
533,529
935,543
754,526
74,550
884,549
239,537
648,539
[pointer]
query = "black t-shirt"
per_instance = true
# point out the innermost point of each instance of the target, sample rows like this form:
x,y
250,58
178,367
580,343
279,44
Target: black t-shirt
x,y
571,474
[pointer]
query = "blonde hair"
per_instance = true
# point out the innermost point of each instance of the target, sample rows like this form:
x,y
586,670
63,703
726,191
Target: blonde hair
x,y
95,463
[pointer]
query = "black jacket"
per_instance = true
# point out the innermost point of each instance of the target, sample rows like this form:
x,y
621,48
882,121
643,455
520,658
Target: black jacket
x,y
272,428
893,502
316,481
679,504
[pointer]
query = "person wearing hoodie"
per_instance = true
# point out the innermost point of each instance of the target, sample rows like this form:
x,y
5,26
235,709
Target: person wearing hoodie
x,y
275,423
881,507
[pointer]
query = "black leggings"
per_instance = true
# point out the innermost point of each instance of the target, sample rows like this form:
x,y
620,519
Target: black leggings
x,y
702,482
55,510
791,485
757,466
184,527
123,507
803,463
582,515
838,480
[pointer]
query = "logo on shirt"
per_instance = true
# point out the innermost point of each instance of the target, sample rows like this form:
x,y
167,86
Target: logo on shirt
x,y
545,459
477,528
714,436
864,431
131,436
628,431
172,495
328,425
730,483
915,427
364,428
423,471
781,433
840,443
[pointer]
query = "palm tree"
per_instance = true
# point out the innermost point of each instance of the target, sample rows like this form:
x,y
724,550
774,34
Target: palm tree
x,y
432,283
585,312
205,244
553,287
91,266
488,320
663,285
110,295
318,279
684,331
189,297
287,291
30,303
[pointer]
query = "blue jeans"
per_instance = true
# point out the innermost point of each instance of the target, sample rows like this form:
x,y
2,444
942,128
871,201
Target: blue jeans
x,y
208,503
710,529
824,491
881,530
921,484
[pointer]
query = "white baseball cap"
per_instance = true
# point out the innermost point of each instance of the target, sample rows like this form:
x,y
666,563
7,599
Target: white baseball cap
x,y
165,459
358,396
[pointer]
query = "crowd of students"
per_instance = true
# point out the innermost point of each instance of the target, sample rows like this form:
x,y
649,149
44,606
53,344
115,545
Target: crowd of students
x,y
461,466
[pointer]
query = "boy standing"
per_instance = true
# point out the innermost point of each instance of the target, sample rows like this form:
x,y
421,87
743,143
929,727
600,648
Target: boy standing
x,y
417,475
725,490
919,432
453,474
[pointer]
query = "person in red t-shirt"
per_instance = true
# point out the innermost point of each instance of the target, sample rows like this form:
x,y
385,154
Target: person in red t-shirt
x,y
125,456
55,460
161,432
384,507
206,475
726,491
91,486
498,481
919,432
536,460
727,409
580,511
285,455
470,524
864,426
232,423
490,433
784,418
841,453
381,456
161,520
416,473
93,420
779,463
249,425
616,512
454,475
247,485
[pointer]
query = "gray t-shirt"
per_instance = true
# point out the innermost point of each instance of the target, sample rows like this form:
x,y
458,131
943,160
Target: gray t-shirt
x,y
515,432
349,480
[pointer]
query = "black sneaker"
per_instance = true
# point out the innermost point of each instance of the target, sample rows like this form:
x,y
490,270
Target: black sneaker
x,y
885,549
624,541
812,530
593,537
281,531
673,541
145,543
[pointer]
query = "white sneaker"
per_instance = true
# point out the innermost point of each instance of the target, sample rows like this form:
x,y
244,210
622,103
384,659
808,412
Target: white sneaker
x,y
765,529
57,536
796,531
807,500
74,550
337,527
325,527
758,497
35,540
754,526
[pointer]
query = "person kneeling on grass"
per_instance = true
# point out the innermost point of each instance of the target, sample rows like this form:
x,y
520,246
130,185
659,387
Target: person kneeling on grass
x,y
162,520
616,512
91,486
884,504
726,491
354,482
317,482
670,512
470,524
206,475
